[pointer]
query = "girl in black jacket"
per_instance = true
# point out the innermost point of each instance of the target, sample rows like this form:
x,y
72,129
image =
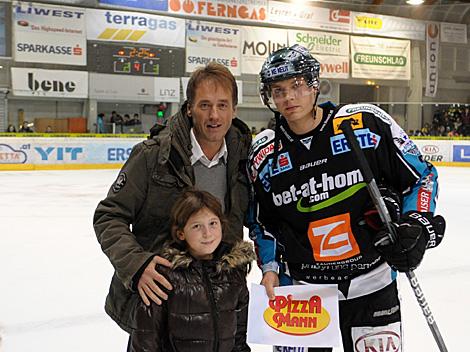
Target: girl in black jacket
x,y
207,308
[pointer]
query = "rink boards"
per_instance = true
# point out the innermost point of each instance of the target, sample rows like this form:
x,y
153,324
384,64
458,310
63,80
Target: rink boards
x,y
46,153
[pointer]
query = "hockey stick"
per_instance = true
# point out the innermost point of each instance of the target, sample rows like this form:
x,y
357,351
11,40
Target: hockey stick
x,y
374,192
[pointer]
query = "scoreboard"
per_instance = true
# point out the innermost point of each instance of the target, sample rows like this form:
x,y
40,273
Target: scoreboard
x,y
128,59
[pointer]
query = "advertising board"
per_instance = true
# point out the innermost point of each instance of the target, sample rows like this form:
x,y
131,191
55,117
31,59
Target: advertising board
x,y
49,33
49,83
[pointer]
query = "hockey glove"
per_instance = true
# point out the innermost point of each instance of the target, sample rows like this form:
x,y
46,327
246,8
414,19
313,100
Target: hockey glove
x,y
392,202
413,234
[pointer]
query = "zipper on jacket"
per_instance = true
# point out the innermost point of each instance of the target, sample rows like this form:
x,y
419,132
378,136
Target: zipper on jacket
x,y
214,314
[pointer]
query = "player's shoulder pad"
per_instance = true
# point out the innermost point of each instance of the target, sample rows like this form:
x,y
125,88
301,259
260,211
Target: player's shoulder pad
x,y
261,149
352,109
261,140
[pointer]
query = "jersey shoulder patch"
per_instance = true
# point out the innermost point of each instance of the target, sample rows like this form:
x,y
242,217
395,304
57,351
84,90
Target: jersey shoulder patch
x,y
261,148
262,138
351,109
259,144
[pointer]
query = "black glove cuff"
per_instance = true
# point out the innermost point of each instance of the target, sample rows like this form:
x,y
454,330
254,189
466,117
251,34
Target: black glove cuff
x,y
433,226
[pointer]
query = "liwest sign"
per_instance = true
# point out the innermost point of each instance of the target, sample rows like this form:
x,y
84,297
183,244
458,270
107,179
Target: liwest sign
x,y
49,83
49,34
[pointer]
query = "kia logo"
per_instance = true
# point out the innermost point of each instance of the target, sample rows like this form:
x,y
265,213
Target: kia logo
x,y
23,23
386,341
430,149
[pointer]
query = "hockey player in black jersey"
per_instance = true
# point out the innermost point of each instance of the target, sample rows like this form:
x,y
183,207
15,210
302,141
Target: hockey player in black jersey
x,y
312,218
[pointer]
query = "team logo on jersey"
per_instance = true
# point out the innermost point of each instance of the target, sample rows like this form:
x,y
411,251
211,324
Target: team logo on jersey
x,y
365,137
355,124
307,142
332,239
410,148
120,182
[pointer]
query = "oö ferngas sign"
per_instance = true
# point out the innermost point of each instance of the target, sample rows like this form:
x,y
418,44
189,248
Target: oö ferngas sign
x,y
299,317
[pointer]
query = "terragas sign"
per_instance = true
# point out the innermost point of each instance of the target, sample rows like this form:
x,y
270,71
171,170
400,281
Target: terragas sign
x,y
297,317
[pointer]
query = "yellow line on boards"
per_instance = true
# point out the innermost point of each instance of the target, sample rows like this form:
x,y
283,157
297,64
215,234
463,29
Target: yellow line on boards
x,y
449,163
26,167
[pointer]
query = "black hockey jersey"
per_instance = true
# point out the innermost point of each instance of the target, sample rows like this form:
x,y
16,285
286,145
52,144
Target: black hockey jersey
x,y
310,203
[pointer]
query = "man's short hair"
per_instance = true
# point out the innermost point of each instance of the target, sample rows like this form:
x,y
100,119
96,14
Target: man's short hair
x,y
215,72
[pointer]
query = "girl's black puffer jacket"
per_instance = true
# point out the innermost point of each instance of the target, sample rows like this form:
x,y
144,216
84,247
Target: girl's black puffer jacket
x,y
207,308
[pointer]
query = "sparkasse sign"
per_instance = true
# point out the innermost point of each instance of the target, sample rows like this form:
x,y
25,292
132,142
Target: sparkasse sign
x,y
49,34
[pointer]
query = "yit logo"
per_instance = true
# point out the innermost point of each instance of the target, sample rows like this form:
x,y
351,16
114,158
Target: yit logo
x,y
59,153
298,317
50,86
332,239
341,16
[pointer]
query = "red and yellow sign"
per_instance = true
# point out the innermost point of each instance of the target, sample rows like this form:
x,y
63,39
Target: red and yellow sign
x,y
297,316
223,9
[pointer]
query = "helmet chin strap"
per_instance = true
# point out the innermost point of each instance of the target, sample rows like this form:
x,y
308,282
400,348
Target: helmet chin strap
x,y
315,104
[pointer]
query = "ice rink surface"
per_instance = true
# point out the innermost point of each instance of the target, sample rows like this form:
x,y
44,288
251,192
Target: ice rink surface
x,y
54,277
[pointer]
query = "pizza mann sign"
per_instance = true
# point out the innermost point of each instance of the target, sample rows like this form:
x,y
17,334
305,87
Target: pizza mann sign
x,y
303,315
49,83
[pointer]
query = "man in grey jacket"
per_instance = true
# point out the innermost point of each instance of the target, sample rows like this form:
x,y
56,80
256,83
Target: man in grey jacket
x,y
205,146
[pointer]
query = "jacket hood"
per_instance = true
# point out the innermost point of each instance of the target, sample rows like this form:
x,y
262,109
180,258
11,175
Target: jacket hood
x,y
227,256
